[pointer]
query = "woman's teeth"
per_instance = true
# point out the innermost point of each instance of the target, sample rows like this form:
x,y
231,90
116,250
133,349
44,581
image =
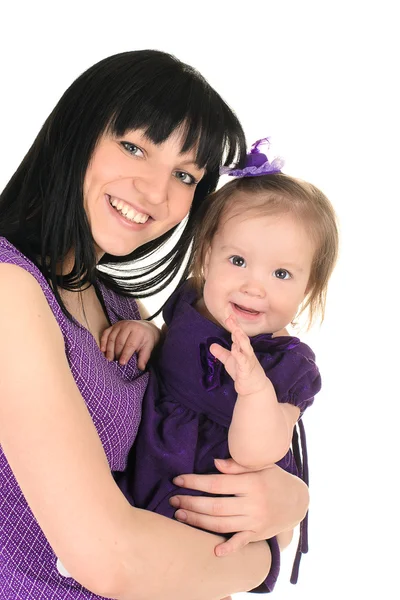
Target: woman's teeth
x,y
127,211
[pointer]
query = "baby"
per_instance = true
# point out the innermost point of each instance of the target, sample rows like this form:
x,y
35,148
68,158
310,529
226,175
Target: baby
x,y
228,380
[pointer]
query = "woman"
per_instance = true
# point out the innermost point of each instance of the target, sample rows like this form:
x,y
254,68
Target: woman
x,y
133,146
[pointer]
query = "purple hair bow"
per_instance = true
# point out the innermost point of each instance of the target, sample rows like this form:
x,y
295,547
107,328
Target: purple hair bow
x,y
256,163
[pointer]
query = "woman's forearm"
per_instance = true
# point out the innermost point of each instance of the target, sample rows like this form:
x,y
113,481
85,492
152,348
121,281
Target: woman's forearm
x,y
161,558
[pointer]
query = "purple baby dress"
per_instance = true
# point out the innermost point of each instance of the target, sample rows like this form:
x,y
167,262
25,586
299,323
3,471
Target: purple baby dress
x,y
188,407
113,395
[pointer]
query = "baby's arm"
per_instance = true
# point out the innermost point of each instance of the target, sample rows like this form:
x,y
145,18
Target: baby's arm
x,y
126,337
261,430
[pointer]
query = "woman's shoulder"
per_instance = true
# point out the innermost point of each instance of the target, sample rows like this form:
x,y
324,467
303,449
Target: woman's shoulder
x,y
23,304
9,254
18,271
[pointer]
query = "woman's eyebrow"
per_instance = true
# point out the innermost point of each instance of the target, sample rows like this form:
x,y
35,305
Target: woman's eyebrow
x,y
190,161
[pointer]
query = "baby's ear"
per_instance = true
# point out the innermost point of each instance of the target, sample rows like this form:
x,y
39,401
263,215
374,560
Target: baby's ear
x,y
206,262
308,289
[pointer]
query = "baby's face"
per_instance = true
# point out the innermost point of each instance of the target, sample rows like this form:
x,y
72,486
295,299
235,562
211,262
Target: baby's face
x,y
258,268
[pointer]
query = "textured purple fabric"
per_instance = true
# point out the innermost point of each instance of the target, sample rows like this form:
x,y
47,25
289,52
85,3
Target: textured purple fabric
x,y
113,395
188,409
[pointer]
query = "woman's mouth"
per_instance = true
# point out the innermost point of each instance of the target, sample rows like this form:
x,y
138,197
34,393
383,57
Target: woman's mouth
x,y
127,211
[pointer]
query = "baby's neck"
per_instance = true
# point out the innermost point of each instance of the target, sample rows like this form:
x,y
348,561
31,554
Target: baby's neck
x,y
281,332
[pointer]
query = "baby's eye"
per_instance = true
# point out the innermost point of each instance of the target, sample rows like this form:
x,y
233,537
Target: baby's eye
x,y
282,274
132,149
237,261
186,178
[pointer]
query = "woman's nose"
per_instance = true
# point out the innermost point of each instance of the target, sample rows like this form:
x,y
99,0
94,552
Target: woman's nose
x,y
154,189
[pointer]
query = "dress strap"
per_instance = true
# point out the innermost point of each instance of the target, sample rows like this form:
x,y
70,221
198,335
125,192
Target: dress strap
x,y
301,459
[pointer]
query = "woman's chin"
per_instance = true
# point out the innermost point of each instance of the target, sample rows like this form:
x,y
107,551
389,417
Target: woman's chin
x,y
114,247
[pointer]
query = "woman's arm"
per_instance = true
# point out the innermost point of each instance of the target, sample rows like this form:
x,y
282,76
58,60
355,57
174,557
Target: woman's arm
x,y
56,455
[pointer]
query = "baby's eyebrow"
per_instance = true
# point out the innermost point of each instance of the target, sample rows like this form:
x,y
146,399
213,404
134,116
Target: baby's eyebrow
x,y
233,249
291,267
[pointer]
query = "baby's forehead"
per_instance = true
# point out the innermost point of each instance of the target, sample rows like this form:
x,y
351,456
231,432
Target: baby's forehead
x,y
244,208
250,203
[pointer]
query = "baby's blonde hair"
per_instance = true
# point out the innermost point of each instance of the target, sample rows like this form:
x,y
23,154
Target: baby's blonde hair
x,y
271,195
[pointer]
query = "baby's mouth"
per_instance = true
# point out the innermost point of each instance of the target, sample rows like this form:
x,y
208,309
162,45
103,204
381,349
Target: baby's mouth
x,y
249,311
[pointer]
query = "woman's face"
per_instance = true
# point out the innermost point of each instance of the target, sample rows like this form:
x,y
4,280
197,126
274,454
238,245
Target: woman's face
x,y
135,190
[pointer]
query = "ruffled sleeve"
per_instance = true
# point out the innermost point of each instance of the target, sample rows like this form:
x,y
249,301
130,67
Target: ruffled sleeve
x,y
294,374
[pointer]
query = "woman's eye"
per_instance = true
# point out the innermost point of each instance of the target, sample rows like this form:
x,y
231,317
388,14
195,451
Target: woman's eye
x,y
132,149
237,261
185,178
282,274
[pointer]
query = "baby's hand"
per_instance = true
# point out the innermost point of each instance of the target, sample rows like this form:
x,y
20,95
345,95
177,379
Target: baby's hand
x,y
126,337
240,361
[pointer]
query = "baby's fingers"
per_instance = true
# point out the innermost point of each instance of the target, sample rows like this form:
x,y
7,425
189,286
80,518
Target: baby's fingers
x,y
236,542
242,342
219,352
231,323
104,339
143,356
127,350
110,352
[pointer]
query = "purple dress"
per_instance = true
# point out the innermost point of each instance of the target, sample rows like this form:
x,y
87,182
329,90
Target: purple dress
x,y
113,395
188,408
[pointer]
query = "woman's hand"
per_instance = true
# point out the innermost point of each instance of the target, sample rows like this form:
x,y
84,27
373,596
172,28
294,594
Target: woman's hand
x,y
264,504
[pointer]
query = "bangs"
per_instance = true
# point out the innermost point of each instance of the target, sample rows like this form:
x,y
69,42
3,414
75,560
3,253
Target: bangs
x,y
171,99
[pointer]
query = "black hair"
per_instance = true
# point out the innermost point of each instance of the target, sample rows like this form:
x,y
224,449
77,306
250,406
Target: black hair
x,y
41,208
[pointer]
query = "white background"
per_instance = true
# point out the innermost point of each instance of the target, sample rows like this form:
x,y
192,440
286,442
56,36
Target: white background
x,y
321,79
